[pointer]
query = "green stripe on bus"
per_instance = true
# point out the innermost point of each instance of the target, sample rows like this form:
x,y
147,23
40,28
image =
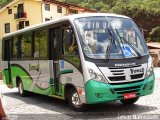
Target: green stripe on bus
x,y
26,79
98,92
6,76
47,91
66,71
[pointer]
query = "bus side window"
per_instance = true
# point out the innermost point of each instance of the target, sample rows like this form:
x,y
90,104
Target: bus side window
x,y
70,50
7,52
16,47
26,39
69,42
40,43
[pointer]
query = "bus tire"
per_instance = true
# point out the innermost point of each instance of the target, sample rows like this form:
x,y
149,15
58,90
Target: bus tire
x,y
74,101
129,101
21,90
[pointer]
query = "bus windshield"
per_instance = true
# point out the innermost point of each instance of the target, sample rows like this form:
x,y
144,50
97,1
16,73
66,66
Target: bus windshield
x,y
110,37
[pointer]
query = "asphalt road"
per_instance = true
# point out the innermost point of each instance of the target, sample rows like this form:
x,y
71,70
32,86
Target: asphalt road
x,y
39,107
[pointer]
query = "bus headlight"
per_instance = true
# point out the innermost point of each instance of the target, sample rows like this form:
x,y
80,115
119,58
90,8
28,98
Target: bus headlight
x,y
100,78
149,71
96,76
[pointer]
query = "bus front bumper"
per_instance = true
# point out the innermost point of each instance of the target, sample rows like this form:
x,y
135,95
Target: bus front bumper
x,y
98,92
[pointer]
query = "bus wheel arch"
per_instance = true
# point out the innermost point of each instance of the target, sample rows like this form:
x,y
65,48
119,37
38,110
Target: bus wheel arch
x,y
67,88
73,98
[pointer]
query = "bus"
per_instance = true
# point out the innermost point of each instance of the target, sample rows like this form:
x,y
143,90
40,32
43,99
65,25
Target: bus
x,y
84,59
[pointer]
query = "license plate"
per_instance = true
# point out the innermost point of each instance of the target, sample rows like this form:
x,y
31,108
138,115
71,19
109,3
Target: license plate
x,y
129,95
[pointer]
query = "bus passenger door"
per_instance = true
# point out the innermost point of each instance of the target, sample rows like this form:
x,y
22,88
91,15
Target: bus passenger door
x,y
55,55
7,56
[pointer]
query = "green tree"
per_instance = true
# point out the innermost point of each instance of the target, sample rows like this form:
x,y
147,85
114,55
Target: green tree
x,y
146,13
155,34
4,2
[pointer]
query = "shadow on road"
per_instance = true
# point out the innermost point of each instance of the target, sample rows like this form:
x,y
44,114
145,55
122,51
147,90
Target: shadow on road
x,y
110,109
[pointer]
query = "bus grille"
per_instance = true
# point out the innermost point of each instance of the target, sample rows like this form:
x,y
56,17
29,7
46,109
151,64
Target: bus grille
x,y
123,78
136,76
119,75
127,89
117,78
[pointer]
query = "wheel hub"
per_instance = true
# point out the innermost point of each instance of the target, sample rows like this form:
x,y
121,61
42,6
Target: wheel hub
x,y
75,99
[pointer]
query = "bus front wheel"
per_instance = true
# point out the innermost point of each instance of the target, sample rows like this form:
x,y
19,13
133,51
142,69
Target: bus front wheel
x,y
129,101
74,101
21,90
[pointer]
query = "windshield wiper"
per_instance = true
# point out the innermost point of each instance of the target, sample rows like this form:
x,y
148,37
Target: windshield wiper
x,y
108,50
123,39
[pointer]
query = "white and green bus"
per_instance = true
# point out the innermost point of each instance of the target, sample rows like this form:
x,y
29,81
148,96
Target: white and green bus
x,y
83,58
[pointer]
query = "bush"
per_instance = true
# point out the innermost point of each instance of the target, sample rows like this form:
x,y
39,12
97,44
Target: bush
x,y
155,34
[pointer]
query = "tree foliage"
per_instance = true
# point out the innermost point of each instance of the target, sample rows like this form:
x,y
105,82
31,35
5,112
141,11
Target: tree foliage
x,y
129,7
4,2
146,13
155,34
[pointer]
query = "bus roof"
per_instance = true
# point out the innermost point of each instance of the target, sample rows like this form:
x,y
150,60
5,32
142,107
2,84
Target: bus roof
x,y
70,17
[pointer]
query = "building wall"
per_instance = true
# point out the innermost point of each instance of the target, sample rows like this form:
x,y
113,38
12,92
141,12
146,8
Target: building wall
x,y
6,18
32,9
53,14
35,12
